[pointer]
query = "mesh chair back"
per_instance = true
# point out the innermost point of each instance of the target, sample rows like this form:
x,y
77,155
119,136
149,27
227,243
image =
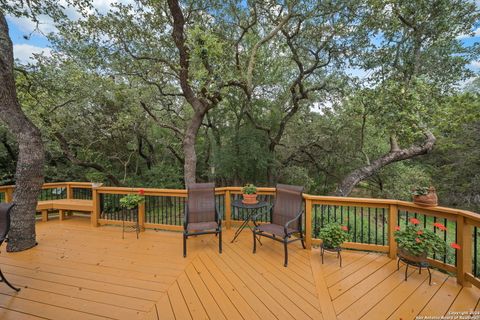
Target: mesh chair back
x,y
201,202
288,203
5,220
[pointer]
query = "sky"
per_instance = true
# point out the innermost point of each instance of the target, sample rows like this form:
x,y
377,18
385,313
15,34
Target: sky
x,y
37,42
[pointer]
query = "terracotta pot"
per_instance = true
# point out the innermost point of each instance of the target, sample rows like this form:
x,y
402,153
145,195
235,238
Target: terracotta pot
x,y
250,198
428,200
410,257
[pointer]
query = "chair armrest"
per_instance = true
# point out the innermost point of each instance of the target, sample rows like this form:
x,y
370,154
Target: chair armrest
x,y
298,216
254,217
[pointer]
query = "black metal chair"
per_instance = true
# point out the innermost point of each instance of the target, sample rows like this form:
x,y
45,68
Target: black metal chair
x,y
5,209
201,215
286,218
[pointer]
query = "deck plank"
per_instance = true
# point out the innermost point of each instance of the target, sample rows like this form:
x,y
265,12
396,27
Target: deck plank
x,y
82,272
419,299
443,299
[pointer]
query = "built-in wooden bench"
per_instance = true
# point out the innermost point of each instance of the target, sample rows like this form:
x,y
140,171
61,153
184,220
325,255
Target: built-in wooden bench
x,y
64,205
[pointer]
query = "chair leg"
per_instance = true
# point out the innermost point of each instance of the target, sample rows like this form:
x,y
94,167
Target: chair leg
x,y
184,245
8,283
406,272
303,241
254,242
285,245
219,241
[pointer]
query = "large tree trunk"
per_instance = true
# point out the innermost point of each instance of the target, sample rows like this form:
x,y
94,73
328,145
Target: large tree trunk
x,y
190,164
395,154
29,173
199,105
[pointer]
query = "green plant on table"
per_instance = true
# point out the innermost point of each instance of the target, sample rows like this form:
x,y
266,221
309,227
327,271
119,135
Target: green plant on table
x,y
333,235
132,201
249,189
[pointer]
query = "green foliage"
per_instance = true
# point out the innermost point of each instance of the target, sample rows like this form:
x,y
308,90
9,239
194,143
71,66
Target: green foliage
x,y
249,189
95,176
417,241
110,89
333,235
131,201
420,191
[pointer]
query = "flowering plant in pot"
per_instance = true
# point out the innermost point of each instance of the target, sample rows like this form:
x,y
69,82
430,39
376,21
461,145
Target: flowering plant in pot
x,y
131,201
249,192
333,235
425,196
416,243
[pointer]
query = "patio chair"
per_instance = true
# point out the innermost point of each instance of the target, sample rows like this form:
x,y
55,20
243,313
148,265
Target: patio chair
x,y
286,218
201,215
5,209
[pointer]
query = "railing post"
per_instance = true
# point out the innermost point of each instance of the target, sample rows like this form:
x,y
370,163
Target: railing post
x,y
69,191
228,210
392,223
141,215
9,195
308,223
96,207
464,254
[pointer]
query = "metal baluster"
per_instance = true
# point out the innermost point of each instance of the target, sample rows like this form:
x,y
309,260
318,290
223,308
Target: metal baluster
x,y
355,224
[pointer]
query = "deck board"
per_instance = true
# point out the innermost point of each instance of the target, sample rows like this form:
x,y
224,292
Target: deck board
x,y
81,272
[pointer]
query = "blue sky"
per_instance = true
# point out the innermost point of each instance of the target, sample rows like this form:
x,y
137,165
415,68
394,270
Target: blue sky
x,y
37,42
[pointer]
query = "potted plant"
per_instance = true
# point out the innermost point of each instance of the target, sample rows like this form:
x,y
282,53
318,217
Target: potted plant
x,y
131,201
96,178
249,192
415,243
129,204
425,196
333,235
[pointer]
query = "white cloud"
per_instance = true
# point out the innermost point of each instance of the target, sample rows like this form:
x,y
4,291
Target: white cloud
x,y
46,24
24,52
475,64
476,33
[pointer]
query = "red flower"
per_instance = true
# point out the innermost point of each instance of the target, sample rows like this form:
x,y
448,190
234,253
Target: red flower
x,y
414,221
455,246
418,240
419,232
344,228
141,192
440,226
397,228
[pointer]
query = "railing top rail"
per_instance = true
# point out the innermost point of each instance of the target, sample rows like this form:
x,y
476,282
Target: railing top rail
x,y
314,198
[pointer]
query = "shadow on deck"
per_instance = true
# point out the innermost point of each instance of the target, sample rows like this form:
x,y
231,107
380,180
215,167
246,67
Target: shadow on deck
x,y
80,272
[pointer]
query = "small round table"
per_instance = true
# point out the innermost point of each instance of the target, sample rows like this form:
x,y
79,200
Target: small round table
x,y
252,209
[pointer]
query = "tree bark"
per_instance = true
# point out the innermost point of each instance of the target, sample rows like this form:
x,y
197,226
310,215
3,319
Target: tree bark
x,y
395,154
200,106
31,156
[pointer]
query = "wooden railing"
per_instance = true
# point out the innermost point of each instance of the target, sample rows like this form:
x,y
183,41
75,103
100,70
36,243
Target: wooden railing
x,y
371,222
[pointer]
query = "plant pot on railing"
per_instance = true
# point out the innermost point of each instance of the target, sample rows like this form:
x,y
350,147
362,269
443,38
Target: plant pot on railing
x,y
425,196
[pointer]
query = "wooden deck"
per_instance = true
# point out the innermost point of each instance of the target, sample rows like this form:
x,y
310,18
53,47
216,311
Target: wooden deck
x,y
81,272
